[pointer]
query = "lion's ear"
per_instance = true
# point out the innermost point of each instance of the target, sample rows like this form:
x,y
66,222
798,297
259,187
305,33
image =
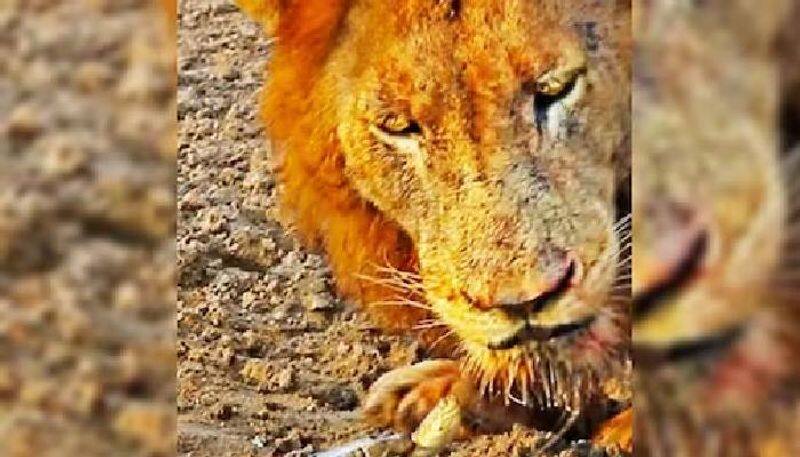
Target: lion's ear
x,y
265,12
298,23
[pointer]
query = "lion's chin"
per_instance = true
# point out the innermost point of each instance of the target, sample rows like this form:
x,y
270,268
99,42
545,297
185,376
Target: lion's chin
x,y
533,375
561,372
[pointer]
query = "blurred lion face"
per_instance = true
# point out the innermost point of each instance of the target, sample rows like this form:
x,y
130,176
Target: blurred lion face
x,y
709,208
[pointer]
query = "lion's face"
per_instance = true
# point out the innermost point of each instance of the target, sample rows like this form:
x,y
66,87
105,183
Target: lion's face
x,y
708,199
490,135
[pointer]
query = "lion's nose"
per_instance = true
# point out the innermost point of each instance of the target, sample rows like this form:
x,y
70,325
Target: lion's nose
x,y
561,282
677,256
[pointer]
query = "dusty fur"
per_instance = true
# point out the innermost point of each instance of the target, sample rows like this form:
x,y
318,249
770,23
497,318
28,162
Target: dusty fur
x,y
455,158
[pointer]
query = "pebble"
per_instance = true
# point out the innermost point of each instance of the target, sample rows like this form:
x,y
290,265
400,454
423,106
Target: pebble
x,y
223,411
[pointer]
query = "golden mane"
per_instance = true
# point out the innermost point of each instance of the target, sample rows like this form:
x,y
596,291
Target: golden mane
x,y
317,197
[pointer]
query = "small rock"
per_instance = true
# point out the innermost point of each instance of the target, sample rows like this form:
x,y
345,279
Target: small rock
x,y
92,76
319,302
222,411
285,379
8,383
247,299
289,443
258,442
24,123
256,371
149,424
342,398
226,357
62,156
251,343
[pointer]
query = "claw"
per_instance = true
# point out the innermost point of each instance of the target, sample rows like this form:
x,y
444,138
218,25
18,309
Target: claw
x,y
439,428
403,398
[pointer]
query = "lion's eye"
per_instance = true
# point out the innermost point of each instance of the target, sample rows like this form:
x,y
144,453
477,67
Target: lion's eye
x,y
398,132
552,86
398,125
554,94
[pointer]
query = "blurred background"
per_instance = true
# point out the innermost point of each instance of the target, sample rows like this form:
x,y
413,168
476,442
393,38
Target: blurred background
x,y
87,211
715,236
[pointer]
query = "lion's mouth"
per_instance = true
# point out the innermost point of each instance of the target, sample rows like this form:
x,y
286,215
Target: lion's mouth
x,y
651,356
542,333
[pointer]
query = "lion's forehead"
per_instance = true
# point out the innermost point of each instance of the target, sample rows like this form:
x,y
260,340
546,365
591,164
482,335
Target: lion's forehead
x,y
462,80
463,77
498,41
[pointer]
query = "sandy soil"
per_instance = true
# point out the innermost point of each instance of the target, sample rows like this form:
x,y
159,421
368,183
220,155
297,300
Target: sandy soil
x,y
87,264
270,361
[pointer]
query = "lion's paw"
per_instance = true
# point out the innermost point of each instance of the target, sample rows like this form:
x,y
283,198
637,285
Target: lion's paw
x,y
402,398
617,432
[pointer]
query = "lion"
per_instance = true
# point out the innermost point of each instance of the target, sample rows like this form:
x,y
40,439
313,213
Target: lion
x,y
461,165
714,325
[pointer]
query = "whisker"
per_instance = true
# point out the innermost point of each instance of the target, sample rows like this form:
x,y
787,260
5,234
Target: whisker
x,y
625,238
402,278
440,339
623,222
626,259
429,326
400,273
623,247
401,299
567,420
389,268
409,285
409,303
392,284
427,321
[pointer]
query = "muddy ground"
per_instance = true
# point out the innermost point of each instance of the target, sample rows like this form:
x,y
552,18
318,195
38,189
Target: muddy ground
x,y
271,362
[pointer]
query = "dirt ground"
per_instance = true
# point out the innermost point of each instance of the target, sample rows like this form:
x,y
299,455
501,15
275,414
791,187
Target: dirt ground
x,y
270,361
